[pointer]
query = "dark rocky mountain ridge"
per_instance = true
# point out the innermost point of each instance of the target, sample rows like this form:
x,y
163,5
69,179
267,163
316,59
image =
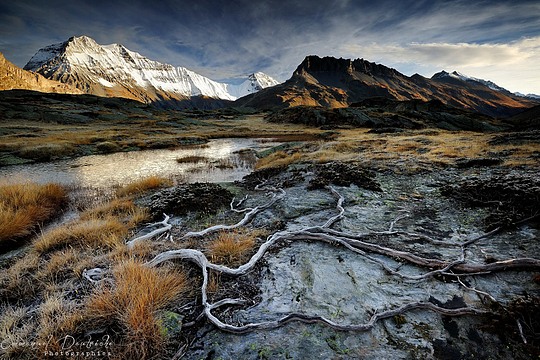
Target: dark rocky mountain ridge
x,y
332,82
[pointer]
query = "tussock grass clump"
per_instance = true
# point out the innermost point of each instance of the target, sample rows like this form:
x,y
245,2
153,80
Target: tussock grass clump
x,y
24,206
191,159
104,226
47,152
123,209
278,159
14,327
19,280
138,187
232,247
56,318
95,233
62,263
132,306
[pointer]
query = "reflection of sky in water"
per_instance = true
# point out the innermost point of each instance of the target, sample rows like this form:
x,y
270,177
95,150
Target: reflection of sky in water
x,y
104,171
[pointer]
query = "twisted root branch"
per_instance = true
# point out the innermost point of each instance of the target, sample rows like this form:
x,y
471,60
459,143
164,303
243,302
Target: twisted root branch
x,y
354,243
165,227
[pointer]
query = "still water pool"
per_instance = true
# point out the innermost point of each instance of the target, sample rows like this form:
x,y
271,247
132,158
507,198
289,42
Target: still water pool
x,y
220,160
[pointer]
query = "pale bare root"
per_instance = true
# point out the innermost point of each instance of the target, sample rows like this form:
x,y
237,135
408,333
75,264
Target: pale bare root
x,y
200,259
250,214
165,227
356,244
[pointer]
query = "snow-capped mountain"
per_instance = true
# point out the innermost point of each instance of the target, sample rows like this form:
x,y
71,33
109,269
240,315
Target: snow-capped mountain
x,y
252,84
466,78
531,96
114,70
333,82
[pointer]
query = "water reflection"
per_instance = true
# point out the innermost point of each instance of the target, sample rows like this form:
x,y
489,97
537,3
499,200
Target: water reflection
x,y
220,160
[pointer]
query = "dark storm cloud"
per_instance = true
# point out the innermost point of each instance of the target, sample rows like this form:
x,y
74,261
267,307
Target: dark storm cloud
x,y
223,39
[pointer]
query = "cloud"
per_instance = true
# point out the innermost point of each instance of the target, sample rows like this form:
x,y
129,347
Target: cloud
x,y
223,39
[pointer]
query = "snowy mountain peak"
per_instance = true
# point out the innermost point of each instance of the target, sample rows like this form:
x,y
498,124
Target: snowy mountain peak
x,y
262,80
254,82
530,96
460,76
114,70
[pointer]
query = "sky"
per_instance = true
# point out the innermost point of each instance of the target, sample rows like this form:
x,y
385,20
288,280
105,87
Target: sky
x,y
224,40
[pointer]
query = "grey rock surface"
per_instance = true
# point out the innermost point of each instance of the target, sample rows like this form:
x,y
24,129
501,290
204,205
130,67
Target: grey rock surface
x,y
323,280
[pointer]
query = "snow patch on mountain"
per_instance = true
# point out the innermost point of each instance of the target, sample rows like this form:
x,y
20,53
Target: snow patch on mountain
x,y
255,82
531,96
85,63
466,78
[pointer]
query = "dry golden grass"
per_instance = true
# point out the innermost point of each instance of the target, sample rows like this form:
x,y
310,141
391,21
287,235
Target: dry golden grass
x,y
123,209
14,327
62,262
142,250
138,187
56,318
24,206
94,233
421,146
214,280
132,304
232,247
104,226
191,159
278,159
19,280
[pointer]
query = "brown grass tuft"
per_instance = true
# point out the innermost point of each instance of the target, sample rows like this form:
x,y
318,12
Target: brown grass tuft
x,y
62,263
14,327
19,280
24,206
57,317
122,209
232,248
93,233
106,226
278,159
138,187
132,304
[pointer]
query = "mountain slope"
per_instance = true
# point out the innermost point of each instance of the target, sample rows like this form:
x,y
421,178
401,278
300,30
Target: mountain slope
x,y
114,70
13,77
339,82
528,119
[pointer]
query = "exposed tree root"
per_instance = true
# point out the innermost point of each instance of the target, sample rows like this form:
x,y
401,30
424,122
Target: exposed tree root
x,y
165,227
250,214
353,243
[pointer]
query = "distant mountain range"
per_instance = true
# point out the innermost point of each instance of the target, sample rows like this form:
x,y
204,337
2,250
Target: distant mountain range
x,y
80,65
114,70
332,82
